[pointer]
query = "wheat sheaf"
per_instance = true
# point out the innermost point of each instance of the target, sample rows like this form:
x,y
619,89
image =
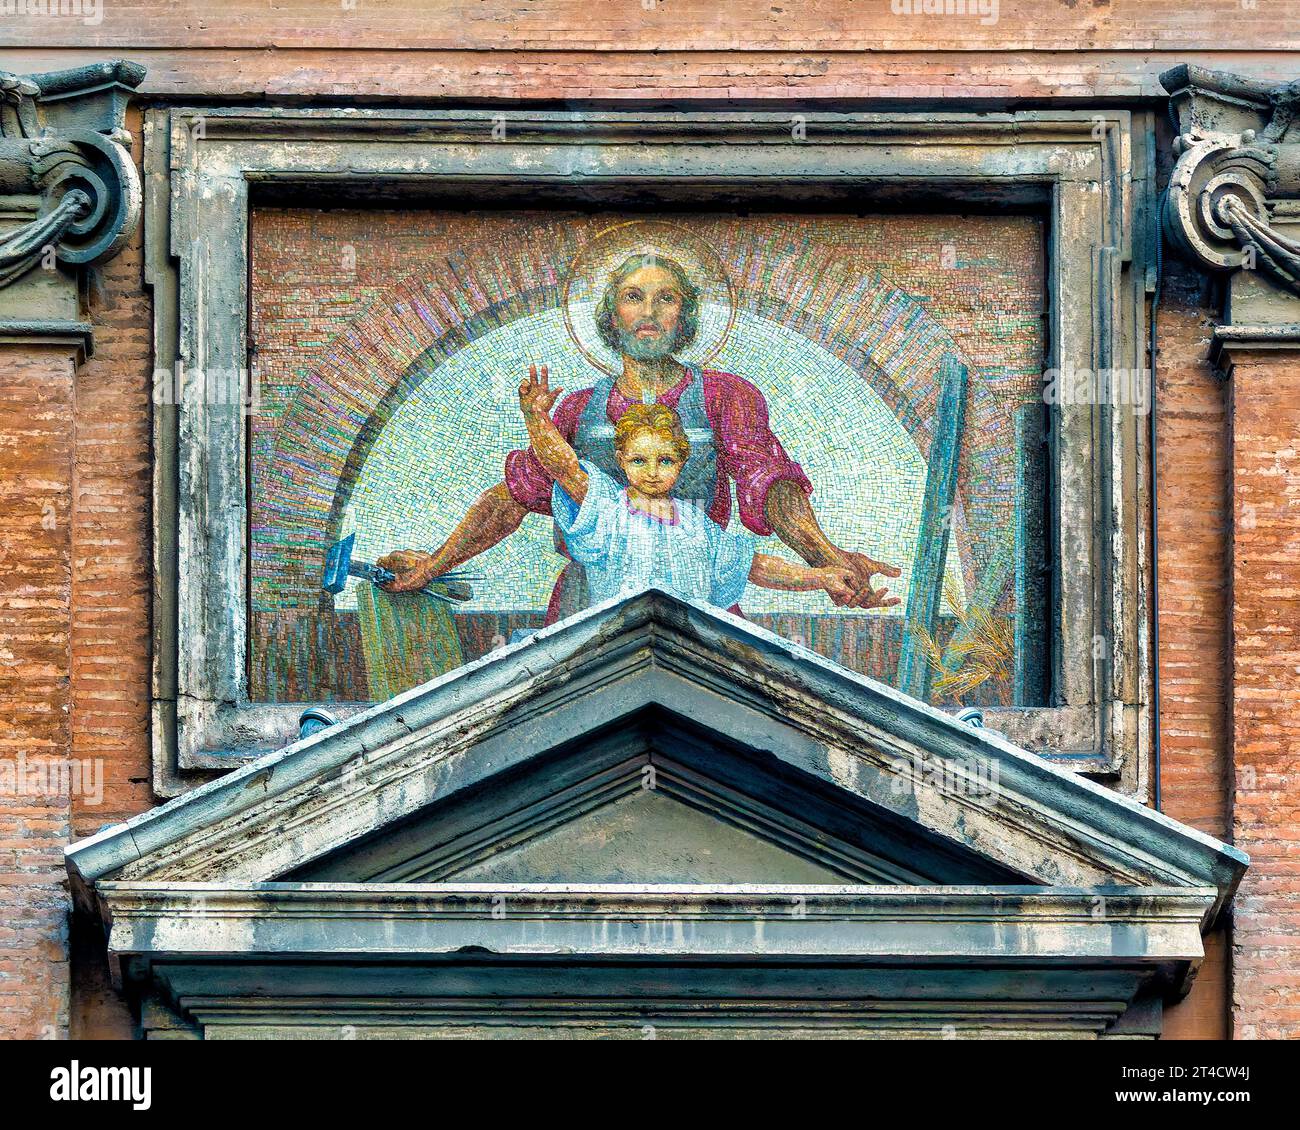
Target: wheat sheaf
x,y
985,652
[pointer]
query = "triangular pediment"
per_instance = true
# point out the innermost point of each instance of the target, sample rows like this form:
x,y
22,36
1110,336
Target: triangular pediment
x,y
653,798
645,833
765,763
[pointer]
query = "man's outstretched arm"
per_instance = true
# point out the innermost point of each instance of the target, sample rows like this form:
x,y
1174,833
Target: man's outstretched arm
x,y
491,519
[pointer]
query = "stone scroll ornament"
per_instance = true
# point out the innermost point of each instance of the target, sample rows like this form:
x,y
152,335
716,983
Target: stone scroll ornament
x,y
63,150
1234,194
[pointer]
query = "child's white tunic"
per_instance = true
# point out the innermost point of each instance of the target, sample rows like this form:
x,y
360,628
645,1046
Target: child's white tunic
x,y
626,550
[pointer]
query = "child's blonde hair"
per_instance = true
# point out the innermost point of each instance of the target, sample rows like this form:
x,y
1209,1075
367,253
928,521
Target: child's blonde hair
x,y
656,418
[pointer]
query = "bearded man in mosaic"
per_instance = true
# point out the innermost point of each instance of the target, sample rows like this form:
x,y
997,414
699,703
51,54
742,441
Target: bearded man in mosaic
x,y
649,313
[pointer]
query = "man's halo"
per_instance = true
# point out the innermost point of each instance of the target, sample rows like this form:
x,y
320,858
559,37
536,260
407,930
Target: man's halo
x,y
597,259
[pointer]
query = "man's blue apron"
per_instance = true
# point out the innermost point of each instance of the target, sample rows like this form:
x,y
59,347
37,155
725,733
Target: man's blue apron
x,y
594,442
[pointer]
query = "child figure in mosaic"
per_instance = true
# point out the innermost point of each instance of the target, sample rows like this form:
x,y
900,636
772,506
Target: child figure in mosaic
x,y
635,536
649,312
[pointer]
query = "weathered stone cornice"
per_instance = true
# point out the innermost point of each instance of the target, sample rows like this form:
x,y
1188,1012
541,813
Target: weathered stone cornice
x,y
1254,339
1141,924
654,652
65,159
894,959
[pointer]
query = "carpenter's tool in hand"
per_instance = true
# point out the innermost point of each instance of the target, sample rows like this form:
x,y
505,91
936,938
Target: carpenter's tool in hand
x,y
339,566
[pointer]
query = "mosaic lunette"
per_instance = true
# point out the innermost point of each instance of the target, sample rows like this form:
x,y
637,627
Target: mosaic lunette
x,y
390,347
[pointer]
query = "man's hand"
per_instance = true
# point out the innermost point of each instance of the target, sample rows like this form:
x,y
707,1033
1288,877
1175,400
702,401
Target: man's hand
x,y
840,583
536,397
791,517
862,568
411,570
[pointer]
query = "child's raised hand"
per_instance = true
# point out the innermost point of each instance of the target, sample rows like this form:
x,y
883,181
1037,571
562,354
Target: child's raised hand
x,y
536,397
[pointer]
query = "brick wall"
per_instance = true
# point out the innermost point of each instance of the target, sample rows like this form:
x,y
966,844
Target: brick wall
x,y
739,27
1230,653
37,398
74,446
75,482
1195,571
111,514
112,585
663,49
1266,693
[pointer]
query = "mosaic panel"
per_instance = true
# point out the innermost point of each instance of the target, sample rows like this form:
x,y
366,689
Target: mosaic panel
x,y
860,395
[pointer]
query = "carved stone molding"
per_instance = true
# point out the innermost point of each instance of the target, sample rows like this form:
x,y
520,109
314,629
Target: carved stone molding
x,y
1233,202
69,190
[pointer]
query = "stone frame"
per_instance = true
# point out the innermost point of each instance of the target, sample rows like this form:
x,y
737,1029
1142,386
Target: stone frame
x,y
1093,172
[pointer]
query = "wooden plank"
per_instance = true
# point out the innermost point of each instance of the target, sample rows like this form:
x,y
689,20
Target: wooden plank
x,y
408,639
925,592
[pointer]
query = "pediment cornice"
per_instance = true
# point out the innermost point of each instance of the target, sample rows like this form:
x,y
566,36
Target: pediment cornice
x,y
866,741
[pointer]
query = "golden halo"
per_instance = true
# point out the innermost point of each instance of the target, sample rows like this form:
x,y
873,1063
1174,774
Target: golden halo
x,y
596,260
